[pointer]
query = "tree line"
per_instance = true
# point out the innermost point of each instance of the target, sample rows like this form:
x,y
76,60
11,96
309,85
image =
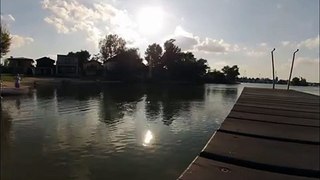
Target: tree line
x,y
169,63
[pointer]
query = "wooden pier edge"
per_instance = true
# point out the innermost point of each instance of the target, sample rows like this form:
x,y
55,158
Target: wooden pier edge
x,y
268,134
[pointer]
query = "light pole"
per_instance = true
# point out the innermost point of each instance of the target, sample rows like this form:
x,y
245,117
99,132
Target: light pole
x,y
0,79
273,81
294,54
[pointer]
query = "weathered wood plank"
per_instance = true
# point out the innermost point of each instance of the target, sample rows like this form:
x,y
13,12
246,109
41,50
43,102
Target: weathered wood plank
x,y
265,151
206,169
286,113
281,100
274,119
269,134
279,107
272,130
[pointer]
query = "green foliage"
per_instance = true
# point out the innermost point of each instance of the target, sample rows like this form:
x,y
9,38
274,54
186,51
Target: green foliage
x,y
128,66
226,75
153,54
215,77
231,73
111,46
5,41
82,56
299,81
174,64
171,55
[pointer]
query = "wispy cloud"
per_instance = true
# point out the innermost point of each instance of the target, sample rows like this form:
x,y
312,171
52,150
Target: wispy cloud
x,y
69,16
190,42
311,43
19,41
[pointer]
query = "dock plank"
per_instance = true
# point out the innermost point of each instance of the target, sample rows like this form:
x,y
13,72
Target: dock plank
x,y
206,169
269,134
279,112
274,119
265,151
289,107
272,130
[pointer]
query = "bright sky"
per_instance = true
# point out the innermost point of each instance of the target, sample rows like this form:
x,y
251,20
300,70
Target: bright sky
x,y
225,32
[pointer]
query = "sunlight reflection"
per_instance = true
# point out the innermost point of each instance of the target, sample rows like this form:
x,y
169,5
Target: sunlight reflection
x,y
147,138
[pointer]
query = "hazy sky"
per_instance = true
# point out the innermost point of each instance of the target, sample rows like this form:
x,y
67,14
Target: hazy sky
x,y
225,32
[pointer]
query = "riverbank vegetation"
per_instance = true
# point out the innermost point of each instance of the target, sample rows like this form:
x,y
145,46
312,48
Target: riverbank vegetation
x,y
167,63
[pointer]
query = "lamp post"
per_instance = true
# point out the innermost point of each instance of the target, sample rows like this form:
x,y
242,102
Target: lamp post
x,y
0,79
273,80
294,54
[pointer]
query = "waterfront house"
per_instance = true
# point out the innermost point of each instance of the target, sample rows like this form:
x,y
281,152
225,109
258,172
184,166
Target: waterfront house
x,y
45,66
21,65
92,68
67,66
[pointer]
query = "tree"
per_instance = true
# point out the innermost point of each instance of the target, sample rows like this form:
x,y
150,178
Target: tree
x,y
299,81
231,73
153,56
201,67
171,55
82,56
128,66
5,41
216,77
111,46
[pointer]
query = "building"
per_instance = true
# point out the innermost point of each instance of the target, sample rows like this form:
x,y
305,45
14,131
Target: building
x,y
21,65
67,66
45,66
92,68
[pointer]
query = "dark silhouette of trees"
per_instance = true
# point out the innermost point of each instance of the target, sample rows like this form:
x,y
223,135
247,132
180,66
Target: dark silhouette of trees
x,y
202,67
5,41
299,81
153,55
215,77
82,56
111,46
226,75
231,73
174,64
171,56
167,64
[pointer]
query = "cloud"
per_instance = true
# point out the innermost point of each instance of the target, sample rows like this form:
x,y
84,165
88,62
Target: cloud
x,y
306,61
255,53
19,41
189,42
311,43
209,45
285,43
59,25
69,16
263,44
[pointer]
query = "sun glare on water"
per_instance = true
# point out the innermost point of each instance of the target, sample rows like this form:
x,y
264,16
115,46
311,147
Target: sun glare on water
x,y
150,20
147,138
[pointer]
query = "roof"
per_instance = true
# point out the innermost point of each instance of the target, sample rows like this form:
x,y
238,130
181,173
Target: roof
x,y
20,59
45,59
93,61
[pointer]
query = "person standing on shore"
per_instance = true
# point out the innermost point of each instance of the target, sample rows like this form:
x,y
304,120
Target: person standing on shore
x,y
17,82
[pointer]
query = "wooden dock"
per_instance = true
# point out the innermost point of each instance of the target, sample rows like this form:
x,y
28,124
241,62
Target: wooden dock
x,y
269,134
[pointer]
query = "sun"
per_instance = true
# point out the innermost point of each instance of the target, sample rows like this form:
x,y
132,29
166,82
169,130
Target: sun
x,y
150,20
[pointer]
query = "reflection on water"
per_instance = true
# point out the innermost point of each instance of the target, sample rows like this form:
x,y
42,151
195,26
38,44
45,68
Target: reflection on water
x,y
147,138
117,131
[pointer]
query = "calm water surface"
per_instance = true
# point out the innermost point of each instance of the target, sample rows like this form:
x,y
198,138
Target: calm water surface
x,y
111,132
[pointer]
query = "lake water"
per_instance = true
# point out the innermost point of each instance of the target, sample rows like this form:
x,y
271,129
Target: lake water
x,y
114,131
